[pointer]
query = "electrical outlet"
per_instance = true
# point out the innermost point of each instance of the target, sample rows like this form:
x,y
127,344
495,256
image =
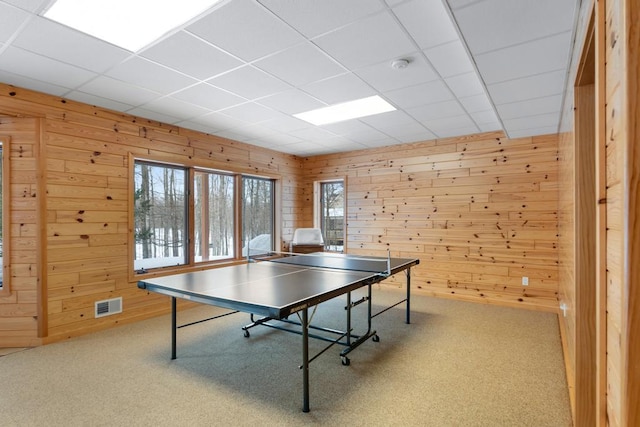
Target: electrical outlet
x,y
525,281
564,309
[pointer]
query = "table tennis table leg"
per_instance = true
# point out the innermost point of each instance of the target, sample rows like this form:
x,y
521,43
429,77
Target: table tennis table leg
x,y
408,272
174,327
305,359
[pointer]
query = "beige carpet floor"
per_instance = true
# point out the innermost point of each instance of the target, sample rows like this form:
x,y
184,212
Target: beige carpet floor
x,y
456,364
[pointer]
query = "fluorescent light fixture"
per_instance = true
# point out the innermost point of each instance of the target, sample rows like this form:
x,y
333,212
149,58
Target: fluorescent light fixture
x,y
131,24
346,111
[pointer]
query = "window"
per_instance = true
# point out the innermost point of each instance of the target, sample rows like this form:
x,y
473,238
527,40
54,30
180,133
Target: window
x,y
214,219
330,214
185,215
160,216
257,215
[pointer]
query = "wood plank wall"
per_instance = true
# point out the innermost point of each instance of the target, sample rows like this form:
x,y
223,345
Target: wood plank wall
x,y
19,308
480,212
84,159
618,351
615,112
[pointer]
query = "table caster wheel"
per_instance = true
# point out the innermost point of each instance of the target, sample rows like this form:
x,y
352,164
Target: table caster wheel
x,y
375,338
345,361
246,333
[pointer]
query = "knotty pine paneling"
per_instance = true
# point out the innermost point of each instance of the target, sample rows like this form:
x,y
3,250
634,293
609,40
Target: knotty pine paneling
x,y
480,212
615,45
82,229
20,308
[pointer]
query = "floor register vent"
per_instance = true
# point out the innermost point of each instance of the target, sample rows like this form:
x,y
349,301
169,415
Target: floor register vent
x,y
108,307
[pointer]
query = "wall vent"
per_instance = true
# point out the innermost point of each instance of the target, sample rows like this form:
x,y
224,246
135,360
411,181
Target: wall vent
x,y
108,307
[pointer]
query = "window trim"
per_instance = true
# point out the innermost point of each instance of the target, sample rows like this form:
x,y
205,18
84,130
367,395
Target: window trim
x,y
192,211
192,166
6,216
317,198
188,191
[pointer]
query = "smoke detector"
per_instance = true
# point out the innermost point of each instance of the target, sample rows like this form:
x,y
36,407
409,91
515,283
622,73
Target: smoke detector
x,y
399,64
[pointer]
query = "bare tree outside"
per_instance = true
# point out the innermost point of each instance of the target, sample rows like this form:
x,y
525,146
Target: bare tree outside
x,y
214,216
160,215
332,215
257,214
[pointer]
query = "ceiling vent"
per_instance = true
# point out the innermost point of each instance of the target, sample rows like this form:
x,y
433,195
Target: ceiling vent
x,y
108,307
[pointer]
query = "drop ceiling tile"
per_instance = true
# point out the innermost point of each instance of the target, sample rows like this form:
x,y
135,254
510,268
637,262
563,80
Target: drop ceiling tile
x,y
428,22
209,97
300,65
395,124
530,107
106,87
192,56
303,148
532,122
269,139
465,85
286,123
442,126
29,83
481,117
313,18
50,39
425,113
354,130
98,101
450,59
219,121
233,134
249,82
313,133
528,87
536,57
384,77
192,125
490,126
414,96
452,132
245,29
495,24
369,41
175,108
153,115
476,103
11,19
146,74
342,144
533,132
342,88
251,112
457,4
257,133
29,5
291,102
22,62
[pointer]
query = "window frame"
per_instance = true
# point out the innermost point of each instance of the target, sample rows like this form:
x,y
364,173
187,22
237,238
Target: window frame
x,y
234,176
317,207
5,142
186,214
192,167
241,212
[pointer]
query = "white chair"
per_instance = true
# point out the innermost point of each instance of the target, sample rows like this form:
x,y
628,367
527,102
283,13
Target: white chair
x,y
307,240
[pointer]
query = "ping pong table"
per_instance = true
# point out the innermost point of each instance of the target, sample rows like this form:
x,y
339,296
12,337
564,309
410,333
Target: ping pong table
x,y
279,287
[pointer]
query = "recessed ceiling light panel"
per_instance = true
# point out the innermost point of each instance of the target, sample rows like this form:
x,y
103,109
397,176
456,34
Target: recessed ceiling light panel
x,y
346,111
125,23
